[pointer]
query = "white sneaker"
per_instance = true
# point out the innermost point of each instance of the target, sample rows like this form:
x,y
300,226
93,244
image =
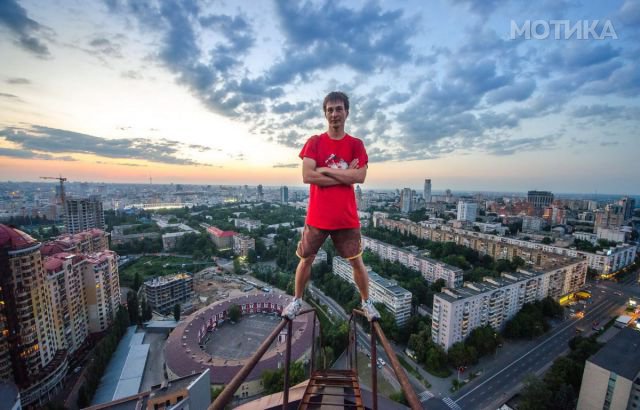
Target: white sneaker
x,y
292,310
370,311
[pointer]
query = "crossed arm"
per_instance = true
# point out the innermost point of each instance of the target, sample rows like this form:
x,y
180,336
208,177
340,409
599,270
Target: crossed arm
x,y
323,176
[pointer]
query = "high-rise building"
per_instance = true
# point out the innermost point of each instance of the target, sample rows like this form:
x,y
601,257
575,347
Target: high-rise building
x,y
611,217
628,205
29,353
65,278
82,214
284,194
102,288
427,191
611,376
467,211
540,199
260,193
406,201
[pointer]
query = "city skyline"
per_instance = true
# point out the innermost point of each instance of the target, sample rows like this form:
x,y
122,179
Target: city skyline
x,y
204,93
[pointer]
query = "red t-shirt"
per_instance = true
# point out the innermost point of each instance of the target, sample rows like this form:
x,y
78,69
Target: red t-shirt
x,y
333,207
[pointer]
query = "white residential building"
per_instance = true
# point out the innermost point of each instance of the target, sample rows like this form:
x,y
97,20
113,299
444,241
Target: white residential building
x,y
431,269
467,211
533,223
456,312
395,298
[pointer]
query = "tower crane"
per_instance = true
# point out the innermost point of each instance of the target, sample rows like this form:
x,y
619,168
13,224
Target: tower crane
x,y
63,198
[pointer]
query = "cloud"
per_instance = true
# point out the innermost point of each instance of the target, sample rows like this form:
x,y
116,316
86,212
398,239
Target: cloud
x,y
292,165
11,96
124,164
481,7
131,75
54,140
105,47
518,91
511,146
608,143
290,139
28,154
14,17
18,81
607,113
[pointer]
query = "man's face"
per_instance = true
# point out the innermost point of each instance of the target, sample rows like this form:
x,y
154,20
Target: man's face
x,y
336,114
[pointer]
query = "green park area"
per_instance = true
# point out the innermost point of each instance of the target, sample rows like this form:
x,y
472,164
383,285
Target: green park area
x,y
148,267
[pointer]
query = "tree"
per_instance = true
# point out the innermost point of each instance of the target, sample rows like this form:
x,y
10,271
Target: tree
x,y
546,240
176,312
136,282
237,267
234,313
398,396
133,307
535,395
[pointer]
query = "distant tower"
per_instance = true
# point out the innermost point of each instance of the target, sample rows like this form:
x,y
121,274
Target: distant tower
x,y
427,191
359,198
284,194
260,193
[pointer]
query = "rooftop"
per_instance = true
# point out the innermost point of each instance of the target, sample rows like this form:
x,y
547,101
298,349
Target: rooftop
x,y
14,239
621,354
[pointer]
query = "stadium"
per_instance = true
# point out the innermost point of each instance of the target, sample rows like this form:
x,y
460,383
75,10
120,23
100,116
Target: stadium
x,y
206,339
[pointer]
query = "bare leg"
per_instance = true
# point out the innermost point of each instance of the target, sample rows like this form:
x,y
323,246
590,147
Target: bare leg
x,y
360,276
303,273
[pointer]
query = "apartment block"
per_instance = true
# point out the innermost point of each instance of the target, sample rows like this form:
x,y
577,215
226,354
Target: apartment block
x,y
29,353
456,312
431,269
102,287
65,273
395,298
162,293
611,377
82,214
242,244
499,247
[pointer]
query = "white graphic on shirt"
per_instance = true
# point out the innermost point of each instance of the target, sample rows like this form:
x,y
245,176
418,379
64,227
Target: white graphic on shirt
x,y
336,162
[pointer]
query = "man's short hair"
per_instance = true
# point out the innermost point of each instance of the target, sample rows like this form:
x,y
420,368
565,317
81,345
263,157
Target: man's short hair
x,y
336,96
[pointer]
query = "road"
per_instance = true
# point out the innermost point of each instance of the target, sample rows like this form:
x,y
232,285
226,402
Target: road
x,y
494,387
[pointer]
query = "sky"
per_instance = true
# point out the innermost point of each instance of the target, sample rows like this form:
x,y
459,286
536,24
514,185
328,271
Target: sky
x,y
227,92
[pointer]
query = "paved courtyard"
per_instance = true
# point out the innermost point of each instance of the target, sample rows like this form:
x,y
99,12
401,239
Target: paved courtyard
x,y
241,340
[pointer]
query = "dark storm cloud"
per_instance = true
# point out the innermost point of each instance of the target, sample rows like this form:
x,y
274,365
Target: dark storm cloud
x,y
54,140
24,29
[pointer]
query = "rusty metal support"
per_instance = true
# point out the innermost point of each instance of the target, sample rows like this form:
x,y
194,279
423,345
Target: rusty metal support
x,y
374,368
227,394
287,365
313,346
409,393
